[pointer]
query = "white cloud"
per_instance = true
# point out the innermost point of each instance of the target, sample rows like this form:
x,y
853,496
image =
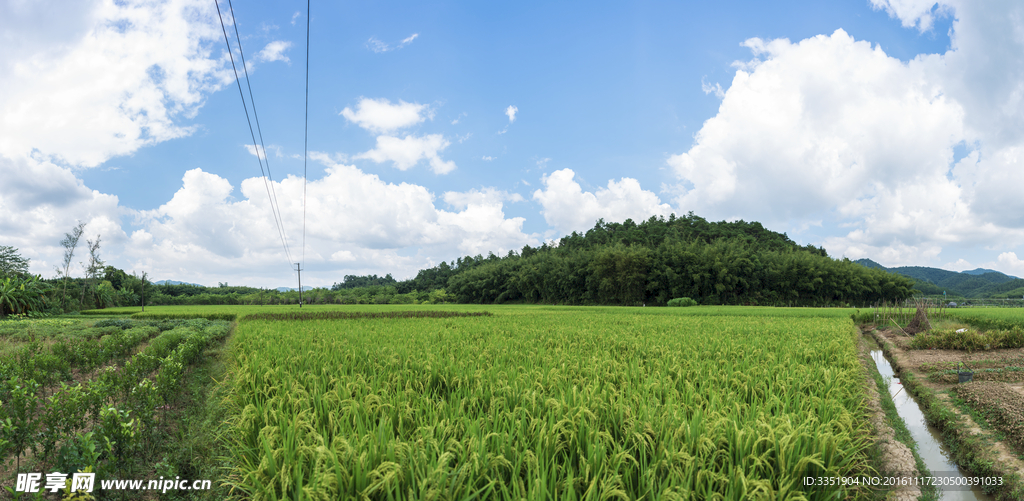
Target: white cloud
x,y
378,46
379,115
1009,263
407,152
295,16
920,13
511,112
712,89
834,128
568,208
353,220
254,149
487,158
136,66
274,51
41,201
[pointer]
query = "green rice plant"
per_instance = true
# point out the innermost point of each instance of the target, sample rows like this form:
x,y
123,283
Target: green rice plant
x,y
342,315
990,318
574,404
969,340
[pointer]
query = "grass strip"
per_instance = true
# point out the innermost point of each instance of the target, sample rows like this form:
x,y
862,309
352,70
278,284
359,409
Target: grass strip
x,y
969,450
351,315
213,315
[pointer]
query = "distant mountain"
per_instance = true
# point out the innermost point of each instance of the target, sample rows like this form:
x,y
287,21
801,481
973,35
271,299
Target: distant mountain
x,y
289,289
175,282
977,283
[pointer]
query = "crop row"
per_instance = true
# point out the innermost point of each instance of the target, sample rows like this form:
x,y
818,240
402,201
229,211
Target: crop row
x,y
106,421
566,405
1000,404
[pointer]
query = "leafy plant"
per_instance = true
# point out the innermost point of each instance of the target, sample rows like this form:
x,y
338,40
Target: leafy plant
x,y
682,301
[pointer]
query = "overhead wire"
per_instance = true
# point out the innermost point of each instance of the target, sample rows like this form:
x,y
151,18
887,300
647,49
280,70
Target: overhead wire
x,y
305,142
259,131
271,194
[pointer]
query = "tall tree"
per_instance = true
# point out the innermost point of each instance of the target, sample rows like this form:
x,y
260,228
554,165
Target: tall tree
x,y
95,267
69,243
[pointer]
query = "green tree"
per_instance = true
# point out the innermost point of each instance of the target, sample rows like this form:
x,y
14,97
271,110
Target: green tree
x,y
11,262
94,269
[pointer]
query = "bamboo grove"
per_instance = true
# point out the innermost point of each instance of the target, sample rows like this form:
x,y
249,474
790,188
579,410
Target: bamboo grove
x,y
658,260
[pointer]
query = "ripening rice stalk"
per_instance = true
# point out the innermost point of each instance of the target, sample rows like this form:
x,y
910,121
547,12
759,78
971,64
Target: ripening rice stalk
x,y
569,405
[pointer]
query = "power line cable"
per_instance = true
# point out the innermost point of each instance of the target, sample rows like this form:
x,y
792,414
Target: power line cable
x,y
252,101
273,207
305,143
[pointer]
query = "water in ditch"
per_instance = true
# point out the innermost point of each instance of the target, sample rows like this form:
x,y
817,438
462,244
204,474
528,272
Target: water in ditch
x,y
929,443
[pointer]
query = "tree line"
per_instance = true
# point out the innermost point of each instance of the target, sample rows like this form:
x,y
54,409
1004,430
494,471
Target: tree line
x,y
628,263
661,259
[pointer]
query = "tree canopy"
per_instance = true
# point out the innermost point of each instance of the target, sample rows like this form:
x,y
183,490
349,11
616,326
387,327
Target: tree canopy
x,y
660,259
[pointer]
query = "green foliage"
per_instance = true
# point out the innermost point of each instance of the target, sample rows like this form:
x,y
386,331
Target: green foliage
x,y
720,272
12,263
20,295
969,340
347,315
682,301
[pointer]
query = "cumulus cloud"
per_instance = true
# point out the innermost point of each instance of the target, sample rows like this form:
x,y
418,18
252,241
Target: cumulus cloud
x,y
353,220
137,67
380,116
834,128
1012,265
408,151
568,208
274,51
40,201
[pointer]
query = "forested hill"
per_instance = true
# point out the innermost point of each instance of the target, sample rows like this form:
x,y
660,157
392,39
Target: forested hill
x,y
978,283
661,259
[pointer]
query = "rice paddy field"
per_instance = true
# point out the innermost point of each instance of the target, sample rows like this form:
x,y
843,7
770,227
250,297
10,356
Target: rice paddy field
x,y
532,403
505,402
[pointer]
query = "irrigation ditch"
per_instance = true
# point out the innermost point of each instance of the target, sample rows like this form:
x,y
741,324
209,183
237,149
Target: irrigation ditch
x,y
948,438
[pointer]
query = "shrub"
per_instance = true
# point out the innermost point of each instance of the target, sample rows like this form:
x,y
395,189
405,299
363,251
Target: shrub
x,y
682,301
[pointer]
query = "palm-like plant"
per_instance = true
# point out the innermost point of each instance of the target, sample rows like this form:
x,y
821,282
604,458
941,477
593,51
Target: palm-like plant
x,y
22,295
105,295
9,298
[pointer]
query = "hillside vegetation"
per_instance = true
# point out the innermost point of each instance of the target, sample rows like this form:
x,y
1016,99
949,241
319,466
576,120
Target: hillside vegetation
x,y
661,259
974,284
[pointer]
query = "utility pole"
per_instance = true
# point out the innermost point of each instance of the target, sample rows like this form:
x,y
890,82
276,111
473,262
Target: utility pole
x,y
299,269
143,292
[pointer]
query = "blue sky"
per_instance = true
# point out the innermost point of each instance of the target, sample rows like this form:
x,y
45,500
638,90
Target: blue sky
x,y
887,129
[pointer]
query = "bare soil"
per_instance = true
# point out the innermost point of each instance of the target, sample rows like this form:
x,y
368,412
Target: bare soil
x,y
920,363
